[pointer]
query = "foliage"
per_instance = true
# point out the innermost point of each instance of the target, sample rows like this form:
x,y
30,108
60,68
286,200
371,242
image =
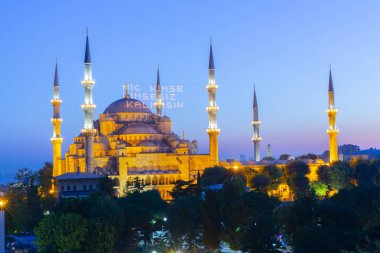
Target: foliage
x,y
64,233
320,188
45,177
211,220
296,166
299,184
214,175
274,174
261,182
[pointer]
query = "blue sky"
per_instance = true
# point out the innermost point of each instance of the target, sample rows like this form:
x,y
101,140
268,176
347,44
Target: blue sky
x,y
285,47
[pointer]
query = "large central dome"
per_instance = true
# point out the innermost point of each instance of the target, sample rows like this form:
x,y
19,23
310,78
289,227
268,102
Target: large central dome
x,y
127,104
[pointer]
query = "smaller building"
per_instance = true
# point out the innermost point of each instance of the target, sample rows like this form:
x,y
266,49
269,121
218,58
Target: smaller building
x,y
77,184
367,154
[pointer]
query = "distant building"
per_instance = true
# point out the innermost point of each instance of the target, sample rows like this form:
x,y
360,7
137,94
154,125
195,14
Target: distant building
x,y
367,154
77,184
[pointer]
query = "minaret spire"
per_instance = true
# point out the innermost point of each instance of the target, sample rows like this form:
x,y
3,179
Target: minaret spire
x,y
88,108
56,121
333,130
212,108
256,127
158,104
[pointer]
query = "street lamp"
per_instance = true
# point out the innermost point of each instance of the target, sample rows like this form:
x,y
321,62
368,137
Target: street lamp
x,y
2,227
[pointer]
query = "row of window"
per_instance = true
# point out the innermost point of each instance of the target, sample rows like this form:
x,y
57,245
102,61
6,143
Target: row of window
x,y
74,187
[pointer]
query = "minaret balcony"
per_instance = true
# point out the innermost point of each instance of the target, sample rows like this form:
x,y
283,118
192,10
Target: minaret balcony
x,y
88,106
57,140
256,139
54,120
56,101
213,130
212,86
332,130
212,108
332,110
256,123
158,104
88,83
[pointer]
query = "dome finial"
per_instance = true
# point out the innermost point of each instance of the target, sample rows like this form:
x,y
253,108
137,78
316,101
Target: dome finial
x,y
126,93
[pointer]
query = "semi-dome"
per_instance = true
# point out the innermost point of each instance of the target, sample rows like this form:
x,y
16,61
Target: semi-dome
x,y
127,104
139,128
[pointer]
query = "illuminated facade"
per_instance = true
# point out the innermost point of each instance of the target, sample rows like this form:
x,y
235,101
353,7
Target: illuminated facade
x,y
212,109
129,142
256,128
333,130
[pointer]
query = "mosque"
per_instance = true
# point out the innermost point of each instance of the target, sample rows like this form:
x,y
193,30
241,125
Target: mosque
x,y
130,142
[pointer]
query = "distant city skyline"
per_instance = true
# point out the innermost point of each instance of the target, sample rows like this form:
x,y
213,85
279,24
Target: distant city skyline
x,y
284,48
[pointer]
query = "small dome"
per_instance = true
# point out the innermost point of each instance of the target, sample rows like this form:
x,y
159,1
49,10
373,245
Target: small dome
x,y
146,144
127,104
165,118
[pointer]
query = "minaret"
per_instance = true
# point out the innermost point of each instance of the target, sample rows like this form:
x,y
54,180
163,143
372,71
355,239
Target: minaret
x,y
56,121
256,128
88,108
333,130
158,104
269,151
212,109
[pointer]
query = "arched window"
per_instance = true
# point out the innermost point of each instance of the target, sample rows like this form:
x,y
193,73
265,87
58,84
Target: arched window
x,y
148,180
162,180
155,180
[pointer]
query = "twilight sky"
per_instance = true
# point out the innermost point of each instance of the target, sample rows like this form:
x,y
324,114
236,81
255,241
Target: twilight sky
x,y
285,47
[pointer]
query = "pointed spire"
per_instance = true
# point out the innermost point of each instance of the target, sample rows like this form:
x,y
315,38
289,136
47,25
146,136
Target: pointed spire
x,y
158,84
87,56
56,81
211,60
331,85
183,134
254,96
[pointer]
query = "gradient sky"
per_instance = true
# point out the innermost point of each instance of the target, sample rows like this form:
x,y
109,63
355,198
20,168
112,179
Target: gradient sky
x,y
285,47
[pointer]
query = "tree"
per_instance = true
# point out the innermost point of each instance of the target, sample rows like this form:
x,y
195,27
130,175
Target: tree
x,y
214,175
274,174
260,230
211,220
100,238
45,177
320,188
184,219
25,211
106,186
339,175
364,172
61,233
261,182
296,167
299,184
323,174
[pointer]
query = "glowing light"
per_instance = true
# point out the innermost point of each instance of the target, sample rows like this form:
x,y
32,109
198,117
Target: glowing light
x,y
236,167
3,204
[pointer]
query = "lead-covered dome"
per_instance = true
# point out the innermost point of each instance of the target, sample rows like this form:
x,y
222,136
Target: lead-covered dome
x,y
127,104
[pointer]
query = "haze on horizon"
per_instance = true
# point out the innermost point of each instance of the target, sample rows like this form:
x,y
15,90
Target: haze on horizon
x,y
285,48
